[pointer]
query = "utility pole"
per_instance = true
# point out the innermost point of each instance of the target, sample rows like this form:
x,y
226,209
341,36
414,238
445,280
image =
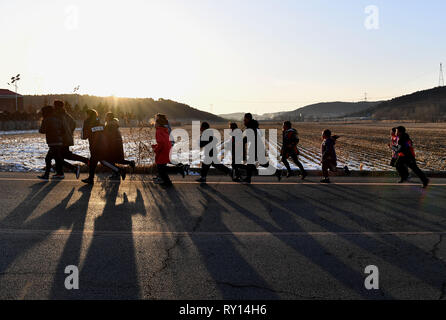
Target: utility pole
x,y
365,97
14,81
441,78
75,91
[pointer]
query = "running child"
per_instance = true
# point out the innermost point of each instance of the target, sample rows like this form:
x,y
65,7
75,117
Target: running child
x,y
406,157
52,127
93,130
115,147
205,167
289,149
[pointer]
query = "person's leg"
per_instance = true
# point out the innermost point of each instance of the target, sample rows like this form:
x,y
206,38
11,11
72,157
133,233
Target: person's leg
x,y
110,166
325,166
162,172
414,167
298,163
67,154
48,160
205,170
59,161
287,165
250,170
69,166
125,162
401,168
222,168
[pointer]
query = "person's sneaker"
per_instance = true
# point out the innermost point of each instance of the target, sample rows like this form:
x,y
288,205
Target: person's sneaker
x,y
201,180
426,183
347,170
289,174
44,177
88,181
58,176
236,179
77,171
304,175
402,180
278,175
325,180
123,173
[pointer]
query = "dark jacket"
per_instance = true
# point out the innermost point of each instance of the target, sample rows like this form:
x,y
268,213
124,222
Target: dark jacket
x,y
328,150
69,125
289,142
205,143
404,147
93,130
254,125
52,127
115,147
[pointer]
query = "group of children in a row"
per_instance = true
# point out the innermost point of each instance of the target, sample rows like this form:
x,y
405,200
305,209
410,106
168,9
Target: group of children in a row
x,y
106,146
105,143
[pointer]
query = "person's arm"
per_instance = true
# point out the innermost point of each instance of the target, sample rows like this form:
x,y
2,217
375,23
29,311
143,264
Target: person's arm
x,y
42,128
71,122
85,131
326,150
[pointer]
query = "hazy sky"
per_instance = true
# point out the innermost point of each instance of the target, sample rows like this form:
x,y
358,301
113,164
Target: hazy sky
x,y
223,55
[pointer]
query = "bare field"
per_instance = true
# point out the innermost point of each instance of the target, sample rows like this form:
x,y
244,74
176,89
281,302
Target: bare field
x,y
365,144
362,146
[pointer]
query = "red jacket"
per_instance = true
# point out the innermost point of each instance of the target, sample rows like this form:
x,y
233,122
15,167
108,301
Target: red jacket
x,y
162,146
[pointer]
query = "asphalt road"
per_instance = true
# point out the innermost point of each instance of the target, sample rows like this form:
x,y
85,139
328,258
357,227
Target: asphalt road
x,y
136,240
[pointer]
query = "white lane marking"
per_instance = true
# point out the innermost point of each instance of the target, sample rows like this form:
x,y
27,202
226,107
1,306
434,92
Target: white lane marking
x,y
235,233
253,183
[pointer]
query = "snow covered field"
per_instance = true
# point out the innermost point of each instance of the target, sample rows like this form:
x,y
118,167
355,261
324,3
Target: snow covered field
x,y
361,147
26,150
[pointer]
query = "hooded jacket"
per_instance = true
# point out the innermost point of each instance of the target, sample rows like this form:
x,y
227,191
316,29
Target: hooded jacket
x,y
53,129
93,130
253,125
163,146
405,147
328,150
289,142
69,125
115,148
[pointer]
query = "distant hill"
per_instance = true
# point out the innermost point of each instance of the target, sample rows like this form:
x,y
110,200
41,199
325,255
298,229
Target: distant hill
x,y
324,110
426,105
137,107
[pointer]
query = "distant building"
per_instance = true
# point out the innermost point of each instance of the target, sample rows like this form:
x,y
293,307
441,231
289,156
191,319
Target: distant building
x,y
8,101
